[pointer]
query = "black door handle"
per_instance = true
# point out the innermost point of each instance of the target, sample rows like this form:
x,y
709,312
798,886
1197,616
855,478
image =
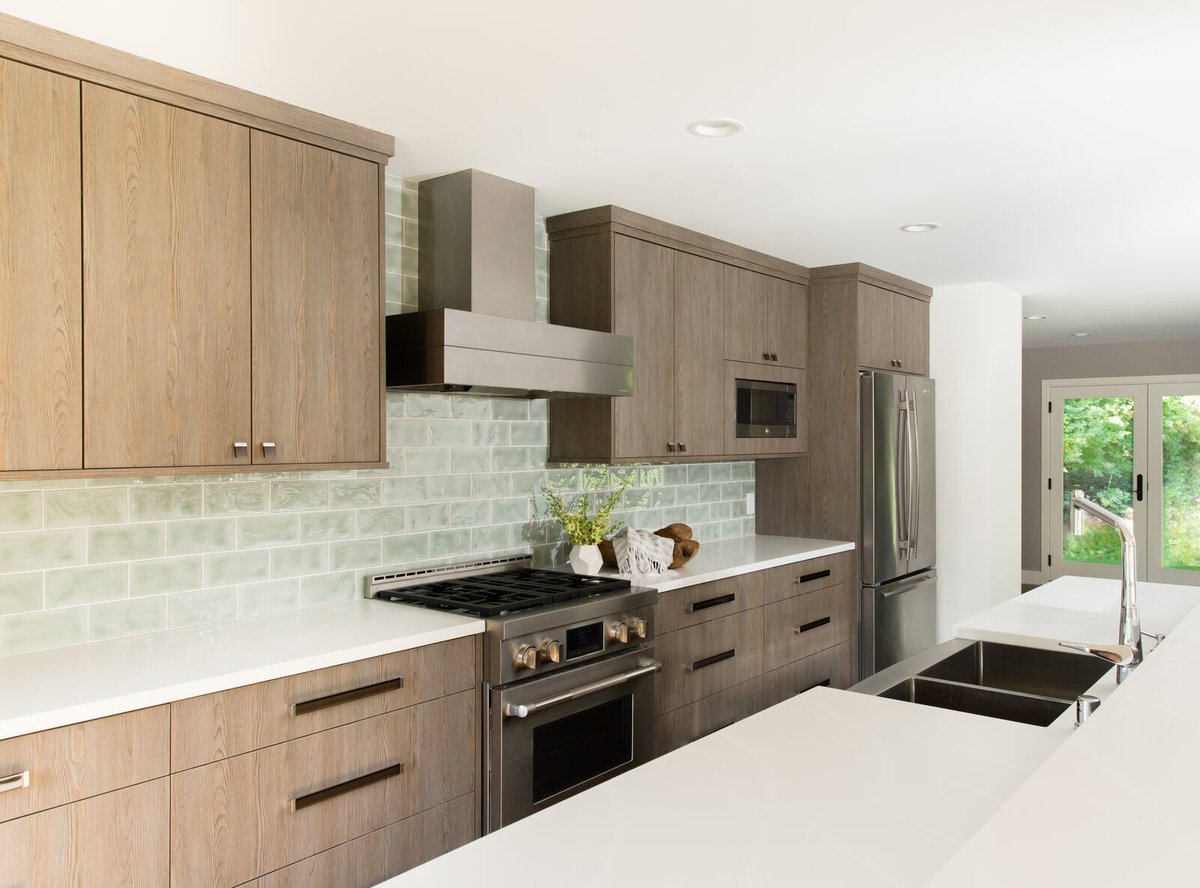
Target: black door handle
x,y
1140,488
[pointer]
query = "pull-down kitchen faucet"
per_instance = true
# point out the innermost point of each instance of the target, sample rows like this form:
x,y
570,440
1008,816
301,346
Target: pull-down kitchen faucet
x,y
1127,652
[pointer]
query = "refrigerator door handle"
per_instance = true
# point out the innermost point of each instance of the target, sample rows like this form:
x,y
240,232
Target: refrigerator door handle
x,y
914,457
903,477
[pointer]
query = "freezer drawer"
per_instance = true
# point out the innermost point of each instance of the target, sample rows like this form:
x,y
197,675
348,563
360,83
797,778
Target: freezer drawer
x,y
898,620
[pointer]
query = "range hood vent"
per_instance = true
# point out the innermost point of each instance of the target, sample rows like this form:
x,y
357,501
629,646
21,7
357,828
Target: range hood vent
x,y
476,332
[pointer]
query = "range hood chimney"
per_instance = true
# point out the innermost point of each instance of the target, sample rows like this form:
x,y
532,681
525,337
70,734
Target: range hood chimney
x,y
476,333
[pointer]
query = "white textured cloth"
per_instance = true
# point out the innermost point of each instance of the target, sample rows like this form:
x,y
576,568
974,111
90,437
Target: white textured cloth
x,y
642,552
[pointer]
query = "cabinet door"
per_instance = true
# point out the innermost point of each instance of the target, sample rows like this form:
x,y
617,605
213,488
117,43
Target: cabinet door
x,y
876,327
912,335
166,284
41,390
643,425
699,370
317,312
748,335
786,309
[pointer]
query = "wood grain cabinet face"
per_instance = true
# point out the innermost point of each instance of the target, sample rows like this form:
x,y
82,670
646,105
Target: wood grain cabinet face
x,y
166,240
702,660
912,335
832,668
698,309
317,315
802,626
41,382
764,319
893,331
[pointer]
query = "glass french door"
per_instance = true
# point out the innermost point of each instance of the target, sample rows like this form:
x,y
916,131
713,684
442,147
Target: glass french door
x,y
1135,449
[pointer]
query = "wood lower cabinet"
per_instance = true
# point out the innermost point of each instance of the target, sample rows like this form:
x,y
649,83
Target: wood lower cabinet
x,y
793,630
166,201
41,349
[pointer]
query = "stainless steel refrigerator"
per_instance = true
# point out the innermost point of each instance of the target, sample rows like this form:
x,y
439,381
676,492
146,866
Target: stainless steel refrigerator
x,y
899,576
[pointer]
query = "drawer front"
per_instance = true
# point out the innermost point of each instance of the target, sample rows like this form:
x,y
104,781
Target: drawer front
x,y
245,816
387,852
71,763
703,717
692,605
806,576
119,838
702,660
832,667
802,626
216,726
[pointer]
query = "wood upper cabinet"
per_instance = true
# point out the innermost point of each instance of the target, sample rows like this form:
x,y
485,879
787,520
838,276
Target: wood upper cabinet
x,y
166,239
893,330
317,315
41,390
698,301
765,319
912,335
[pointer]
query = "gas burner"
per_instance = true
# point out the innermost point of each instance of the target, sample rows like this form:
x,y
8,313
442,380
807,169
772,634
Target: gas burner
x,y
504,592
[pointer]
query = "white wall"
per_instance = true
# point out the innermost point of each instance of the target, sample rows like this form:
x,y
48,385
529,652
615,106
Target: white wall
x,y
975,356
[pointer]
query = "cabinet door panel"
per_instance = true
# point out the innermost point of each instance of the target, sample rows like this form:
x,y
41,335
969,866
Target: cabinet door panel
x,y
317,312
876,327
642,285
785,307
166,288
748,335
41,391
912,335
699,338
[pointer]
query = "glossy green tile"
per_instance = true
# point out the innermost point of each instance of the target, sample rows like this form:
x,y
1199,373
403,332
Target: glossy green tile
x,y
402,432
236,499
528,432
234,568
267,530
40,630
395,491
20,592
486,539
429,516
353,494
165,501
123,542
510,511
295,561
86,585
449,542
294,496
201,607
510,408
675,475
202,535
491,433
490,486
743,471
408,204
470,513
382,521
508,459
721,472
449,487
120,618
452,431
428,460
464,407
327,588
166,575
263,598
466,460
90,505
710,493
437,406
22,510
316,526
405,548
354,553
41,549
393,229
539,410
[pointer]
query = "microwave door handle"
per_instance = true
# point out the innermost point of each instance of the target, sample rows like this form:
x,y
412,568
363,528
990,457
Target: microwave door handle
x,y
914,492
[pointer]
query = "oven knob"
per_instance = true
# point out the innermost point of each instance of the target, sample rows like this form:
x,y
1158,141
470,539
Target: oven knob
x,y
527,657
619,632
637,627
552,652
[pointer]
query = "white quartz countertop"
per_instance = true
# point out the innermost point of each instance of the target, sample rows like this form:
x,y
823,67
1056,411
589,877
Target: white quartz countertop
x,y
48,689
729,558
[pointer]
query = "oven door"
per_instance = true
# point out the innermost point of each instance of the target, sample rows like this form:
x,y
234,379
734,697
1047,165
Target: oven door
x,y
552,737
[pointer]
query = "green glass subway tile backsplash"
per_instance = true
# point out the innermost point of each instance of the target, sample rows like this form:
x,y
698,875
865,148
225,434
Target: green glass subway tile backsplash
x,y
86,559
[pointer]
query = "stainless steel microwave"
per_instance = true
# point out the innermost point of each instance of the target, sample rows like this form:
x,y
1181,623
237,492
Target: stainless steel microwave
x,y
765,409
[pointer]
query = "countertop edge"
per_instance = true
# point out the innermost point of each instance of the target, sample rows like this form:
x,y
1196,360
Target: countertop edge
x,y
682,582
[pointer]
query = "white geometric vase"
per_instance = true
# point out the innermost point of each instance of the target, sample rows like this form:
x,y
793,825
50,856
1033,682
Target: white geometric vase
x,y
585,559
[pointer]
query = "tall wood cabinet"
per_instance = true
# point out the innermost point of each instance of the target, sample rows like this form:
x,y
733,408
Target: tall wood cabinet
x,y
702,313
192,273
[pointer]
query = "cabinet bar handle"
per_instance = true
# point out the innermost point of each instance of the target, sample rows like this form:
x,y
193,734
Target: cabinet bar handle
x,y
14,781
711,602
392,684
815,624
818,575
313,798
711,661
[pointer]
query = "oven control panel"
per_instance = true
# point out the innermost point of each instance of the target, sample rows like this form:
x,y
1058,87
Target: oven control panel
x,y
563,646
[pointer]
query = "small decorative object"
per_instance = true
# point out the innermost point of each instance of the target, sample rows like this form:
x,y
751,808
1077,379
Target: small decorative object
x,y
584,531
685,547
642,552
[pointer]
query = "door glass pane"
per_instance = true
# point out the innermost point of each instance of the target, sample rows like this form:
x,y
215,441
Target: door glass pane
x,y
1097,459
1181,482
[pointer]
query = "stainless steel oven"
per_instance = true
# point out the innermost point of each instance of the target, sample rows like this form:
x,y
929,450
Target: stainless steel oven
x,y
555,736
765,409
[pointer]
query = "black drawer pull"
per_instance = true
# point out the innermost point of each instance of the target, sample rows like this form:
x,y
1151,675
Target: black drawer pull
x,y
818,575
710,661
313,705
712,602
306,801
815,624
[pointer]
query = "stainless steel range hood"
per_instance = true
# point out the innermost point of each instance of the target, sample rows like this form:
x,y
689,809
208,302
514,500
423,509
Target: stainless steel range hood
x,y
476,332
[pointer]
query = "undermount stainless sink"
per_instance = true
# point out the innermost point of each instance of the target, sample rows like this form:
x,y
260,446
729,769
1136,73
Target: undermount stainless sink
x,y
1021,684
1010,667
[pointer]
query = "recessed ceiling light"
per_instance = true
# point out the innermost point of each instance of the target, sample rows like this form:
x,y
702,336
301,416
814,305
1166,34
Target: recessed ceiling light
x,y
1035,317
715,127
1081,334
921,226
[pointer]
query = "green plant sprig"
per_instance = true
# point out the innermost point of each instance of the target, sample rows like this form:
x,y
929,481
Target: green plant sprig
x,y
582,528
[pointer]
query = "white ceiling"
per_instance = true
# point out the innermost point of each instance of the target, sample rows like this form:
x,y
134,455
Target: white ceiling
x,y
1057,142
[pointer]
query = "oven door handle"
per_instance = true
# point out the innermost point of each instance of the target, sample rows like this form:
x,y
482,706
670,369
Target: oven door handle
x,y
521,710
